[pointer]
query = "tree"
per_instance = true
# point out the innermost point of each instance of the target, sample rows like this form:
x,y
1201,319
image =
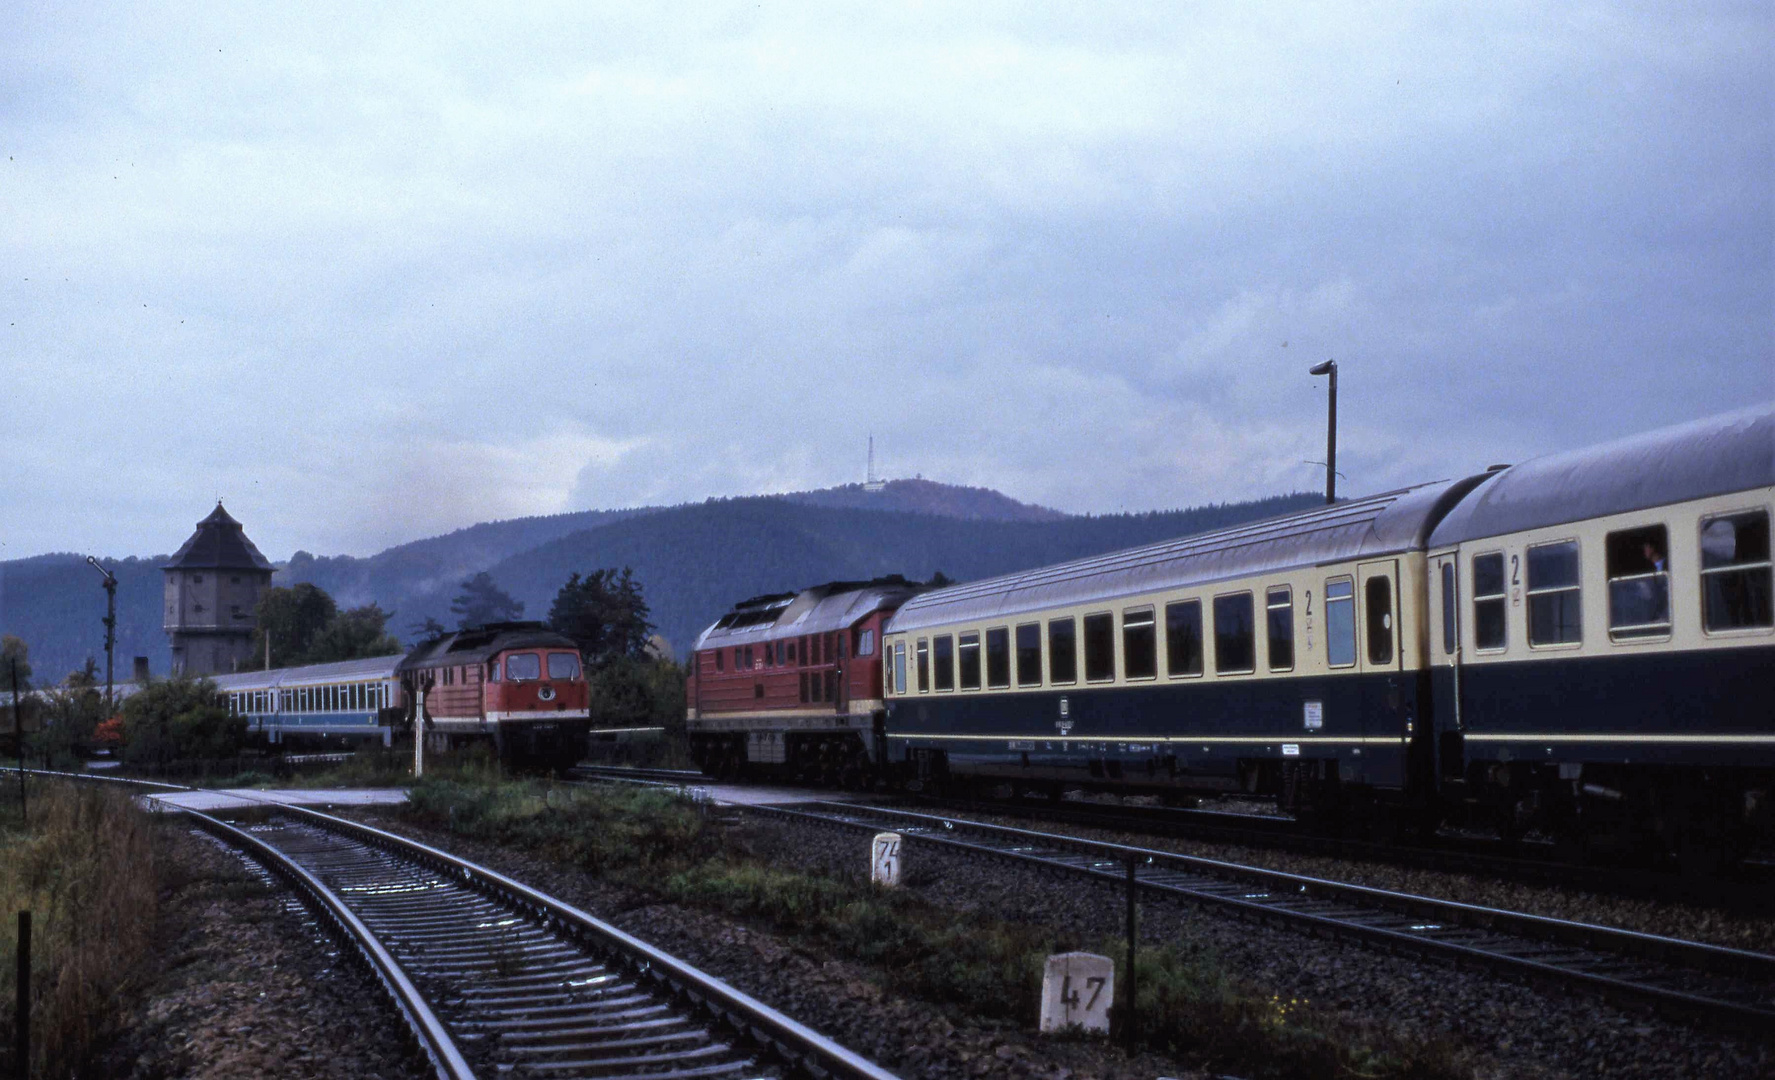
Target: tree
x,y
605,614
11,649
353,635
482,602
427,629
292,618
70,714
179,718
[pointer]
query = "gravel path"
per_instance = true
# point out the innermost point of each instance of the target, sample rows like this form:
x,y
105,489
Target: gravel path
x,y
243,984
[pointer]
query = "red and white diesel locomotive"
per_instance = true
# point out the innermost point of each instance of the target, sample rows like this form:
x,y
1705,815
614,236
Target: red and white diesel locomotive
x,y
518,685
792,683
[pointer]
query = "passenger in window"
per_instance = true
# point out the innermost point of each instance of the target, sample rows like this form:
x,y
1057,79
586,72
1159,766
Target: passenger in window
x,y
1653,556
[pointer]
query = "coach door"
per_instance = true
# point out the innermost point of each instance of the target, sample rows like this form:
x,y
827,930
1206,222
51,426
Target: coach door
x,y
1383,693
1444,666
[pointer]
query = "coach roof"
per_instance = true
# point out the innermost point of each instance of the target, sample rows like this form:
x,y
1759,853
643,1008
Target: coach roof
x,y
1372,526
1717,455
374,667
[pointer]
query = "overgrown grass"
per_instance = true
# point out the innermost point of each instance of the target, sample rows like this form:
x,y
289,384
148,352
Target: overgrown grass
x,y
82,862
1190,1005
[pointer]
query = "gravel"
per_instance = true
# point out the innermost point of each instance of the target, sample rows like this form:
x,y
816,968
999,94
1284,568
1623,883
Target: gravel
x,y
242,983
1500,1029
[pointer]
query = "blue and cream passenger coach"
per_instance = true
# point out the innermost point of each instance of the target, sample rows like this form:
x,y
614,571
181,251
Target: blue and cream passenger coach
x,y
1603,643
1284,657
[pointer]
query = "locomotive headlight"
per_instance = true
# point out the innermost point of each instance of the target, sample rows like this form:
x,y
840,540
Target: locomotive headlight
x,y
546,693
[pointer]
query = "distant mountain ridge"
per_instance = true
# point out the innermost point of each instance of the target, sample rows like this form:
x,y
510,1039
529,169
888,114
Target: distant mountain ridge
x,y
694,560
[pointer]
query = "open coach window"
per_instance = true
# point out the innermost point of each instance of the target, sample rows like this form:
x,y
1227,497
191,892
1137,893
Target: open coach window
x,y
1735,571
1639,583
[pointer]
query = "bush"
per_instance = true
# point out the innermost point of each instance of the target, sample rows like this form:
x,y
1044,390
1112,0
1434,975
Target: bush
x,y
179,718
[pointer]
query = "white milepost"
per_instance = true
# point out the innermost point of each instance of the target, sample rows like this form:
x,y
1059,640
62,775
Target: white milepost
x,y
1077,991
419,737
884,859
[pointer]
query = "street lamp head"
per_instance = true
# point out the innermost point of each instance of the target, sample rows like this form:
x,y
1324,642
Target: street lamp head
x,y
1326,368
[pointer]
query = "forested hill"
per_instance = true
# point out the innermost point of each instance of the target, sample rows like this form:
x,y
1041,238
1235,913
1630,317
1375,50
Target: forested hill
x,y
696,561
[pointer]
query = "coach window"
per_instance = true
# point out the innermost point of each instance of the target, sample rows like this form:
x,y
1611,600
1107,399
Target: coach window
x,y
1063,651
1140,645
1735,571
1279,605
1100,647
1183,638
1449,637
899,667
968,651
1377,599
998,658
1639,583
943,656
1488,601
1235,646
1340,622
1029,654
924,666
1554,617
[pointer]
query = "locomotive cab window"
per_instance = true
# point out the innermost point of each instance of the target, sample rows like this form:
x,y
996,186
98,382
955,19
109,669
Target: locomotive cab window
x,y
1029,654
1489,598
1377,597
865,644
998,658
1140,644
1063,655
1639,583
1735,572
1235,642
522,666
563,666
1100,647
1183,638
1340,622
968,652
943,656
1554,614
924,666
1279,605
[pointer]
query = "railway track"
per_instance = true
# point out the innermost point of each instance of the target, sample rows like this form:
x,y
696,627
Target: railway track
x,y
1728,988
1752,892
495,978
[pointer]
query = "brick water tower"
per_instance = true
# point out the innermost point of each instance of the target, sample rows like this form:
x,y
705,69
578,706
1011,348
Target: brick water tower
x,y
213,586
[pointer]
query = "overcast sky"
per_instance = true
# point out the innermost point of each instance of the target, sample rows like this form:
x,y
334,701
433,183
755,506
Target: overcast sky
x,y
375,276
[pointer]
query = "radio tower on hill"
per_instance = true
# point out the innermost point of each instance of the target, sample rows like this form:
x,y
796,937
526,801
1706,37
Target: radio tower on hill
x,y
872,484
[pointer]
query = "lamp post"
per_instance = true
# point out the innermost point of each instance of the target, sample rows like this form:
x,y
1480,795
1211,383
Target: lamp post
x,y
1329,367
110,627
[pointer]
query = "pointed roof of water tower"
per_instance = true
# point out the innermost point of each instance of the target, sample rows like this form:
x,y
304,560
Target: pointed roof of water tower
x,y
218,544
